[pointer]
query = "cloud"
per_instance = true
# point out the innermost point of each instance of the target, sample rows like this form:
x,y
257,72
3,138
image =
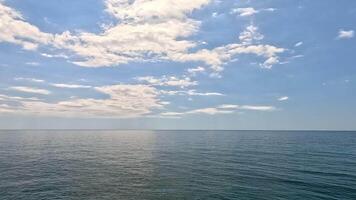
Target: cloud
x,y
346,34
15,30
29,79
270,62
209,111
249,11
33,63
30,90
250,34
221,109
168,81
228,106
143,31
284,98
244,12
298,44
16,98
72,86
189,93
123,101
257,108
54,56
194,71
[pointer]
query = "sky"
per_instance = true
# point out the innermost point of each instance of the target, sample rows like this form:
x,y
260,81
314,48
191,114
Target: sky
x,y
187,64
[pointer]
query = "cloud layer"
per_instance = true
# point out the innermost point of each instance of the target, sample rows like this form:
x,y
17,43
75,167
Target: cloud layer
x,y
143,31
121,101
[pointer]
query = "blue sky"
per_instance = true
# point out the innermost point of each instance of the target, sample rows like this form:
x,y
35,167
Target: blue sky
x,y
166,64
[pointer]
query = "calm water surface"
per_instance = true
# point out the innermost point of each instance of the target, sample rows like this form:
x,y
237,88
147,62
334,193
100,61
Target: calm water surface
x,y
37,165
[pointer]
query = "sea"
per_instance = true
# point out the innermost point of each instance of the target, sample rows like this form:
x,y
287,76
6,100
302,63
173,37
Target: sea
x,y
154,165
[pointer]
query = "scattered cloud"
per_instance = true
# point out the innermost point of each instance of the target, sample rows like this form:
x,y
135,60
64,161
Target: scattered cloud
x,y
346,34
189,93
298,44
29,79
72,86
194,71
16,98
249,11
124,101
168,81
257,108
30,90
221,109
244,12
54,55
143,31
209,111
284,98
33,63
228,106
250,34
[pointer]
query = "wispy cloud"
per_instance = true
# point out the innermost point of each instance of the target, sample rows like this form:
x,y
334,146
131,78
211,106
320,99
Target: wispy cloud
x,y
124,101
244,12
249,11
33,63
30,90
16,98
221,109
194,71
284,98
168,81
29,79
298,44
190,93
72,86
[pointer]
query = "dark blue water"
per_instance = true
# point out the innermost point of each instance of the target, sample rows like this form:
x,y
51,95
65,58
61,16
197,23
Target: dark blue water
x,y
156,165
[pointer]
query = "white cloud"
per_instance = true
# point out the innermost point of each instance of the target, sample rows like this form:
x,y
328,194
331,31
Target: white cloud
x,y
189,93
54,56
144,31
270,62
244,12
270,9
15,30
221,109
214,14
250,34
124,101
209,111
298,44
249,11
194,71
29,79
228,106
257,108
30,90
16,98
168,81
346,34
284,98
33,63
72,86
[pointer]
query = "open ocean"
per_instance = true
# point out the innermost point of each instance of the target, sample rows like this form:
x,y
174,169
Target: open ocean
x,y
305,165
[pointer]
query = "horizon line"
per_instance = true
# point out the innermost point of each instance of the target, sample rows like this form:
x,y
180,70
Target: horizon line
x,y
114,129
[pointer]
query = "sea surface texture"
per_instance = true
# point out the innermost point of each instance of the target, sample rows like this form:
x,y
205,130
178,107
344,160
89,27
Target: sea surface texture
x,y
109,165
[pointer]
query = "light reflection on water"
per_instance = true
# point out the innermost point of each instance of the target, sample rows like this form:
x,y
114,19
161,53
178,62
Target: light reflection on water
x,y
177,165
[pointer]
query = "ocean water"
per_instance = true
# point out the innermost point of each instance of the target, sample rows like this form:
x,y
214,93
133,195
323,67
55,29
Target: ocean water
x,y
155,165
